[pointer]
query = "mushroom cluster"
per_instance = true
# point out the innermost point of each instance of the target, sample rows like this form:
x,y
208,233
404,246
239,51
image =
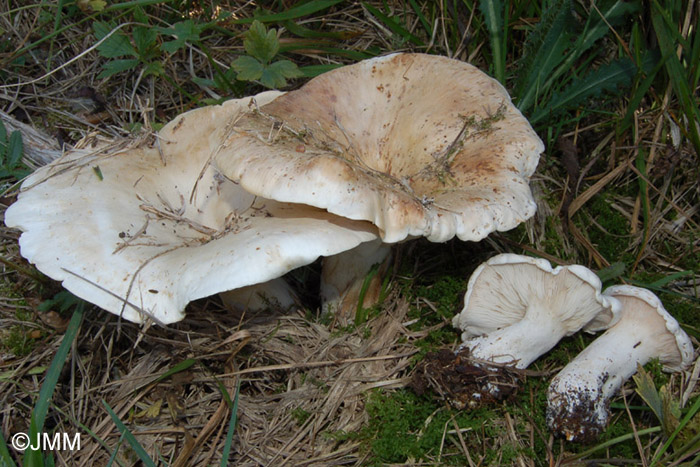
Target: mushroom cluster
x,y
231,196
517,308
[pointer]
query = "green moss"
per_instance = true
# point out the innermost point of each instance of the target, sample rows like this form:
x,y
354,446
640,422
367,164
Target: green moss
x,y
300,415
685,310
444,296
444,293
404,426
553,242
17,342
611,235
15,339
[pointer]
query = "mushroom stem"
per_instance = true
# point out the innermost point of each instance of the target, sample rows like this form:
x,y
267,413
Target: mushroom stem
x,y
520,343
345,275
578,397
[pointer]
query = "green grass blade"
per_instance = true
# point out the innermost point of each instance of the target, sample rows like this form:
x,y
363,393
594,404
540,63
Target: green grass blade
x,y
307,33
597,26
182,366
133,4
41,408
5,457
651,65
493,16
614,441
353,54
315,70
56,26
231,427
544,52
361,311
113,457
608,77
421,17
613,271
677,74
670,278
694,61
393,25
305,9
15,149
130,438
686,419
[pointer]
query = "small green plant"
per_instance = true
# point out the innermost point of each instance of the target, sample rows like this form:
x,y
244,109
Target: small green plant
x,y
300,415
145,46
262,46
11,150
682,432
125,55
63,301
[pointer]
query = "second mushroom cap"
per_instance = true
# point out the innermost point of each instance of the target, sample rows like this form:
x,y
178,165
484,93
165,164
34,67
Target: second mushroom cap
x,y
517,308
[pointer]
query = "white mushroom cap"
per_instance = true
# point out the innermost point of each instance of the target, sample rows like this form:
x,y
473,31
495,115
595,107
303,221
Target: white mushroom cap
x,y
158,227
500,291
673,357
578,397
419,145
519,308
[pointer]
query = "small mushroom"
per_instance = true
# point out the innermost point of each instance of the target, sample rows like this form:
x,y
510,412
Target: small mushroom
x,y
517,308
579,396
141,228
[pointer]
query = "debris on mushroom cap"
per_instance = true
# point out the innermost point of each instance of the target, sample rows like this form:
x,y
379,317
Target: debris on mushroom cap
x,y
504,289
142,230
419,145
579,396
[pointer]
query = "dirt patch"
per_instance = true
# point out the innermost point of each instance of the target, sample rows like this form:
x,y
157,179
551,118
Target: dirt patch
x,y
463,381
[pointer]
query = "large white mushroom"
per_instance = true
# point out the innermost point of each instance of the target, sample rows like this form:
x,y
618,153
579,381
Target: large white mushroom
x,y
419,145
144,228
579,396
517,308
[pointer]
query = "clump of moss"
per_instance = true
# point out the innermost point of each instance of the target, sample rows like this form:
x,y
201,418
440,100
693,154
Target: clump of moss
x,y
406,427
612,240
445,297
16,339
